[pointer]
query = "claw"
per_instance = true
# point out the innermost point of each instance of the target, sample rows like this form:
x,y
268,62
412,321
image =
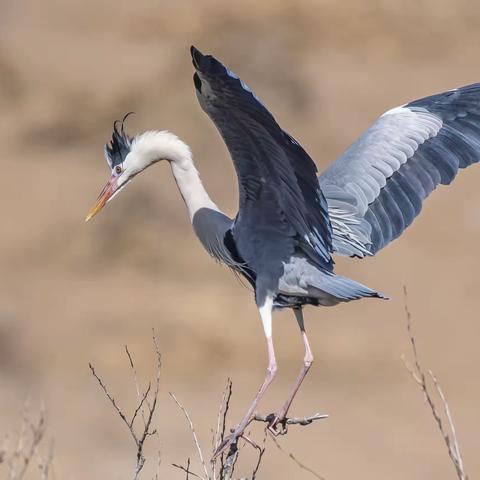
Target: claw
x,y
275,423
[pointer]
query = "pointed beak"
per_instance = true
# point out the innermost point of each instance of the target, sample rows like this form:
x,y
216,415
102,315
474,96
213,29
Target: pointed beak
x,y
105,195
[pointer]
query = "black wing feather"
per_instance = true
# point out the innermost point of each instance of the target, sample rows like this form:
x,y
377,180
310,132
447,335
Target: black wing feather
x,y
272,168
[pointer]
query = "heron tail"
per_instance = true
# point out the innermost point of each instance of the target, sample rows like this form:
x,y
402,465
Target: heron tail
x,y
342,289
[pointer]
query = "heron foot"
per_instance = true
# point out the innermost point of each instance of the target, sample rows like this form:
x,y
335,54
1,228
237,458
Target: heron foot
x,y
277,424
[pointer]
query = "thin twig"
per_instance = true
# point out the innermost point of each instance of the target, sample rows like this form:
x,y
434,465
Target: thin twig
x,y
227,407
224,426
220,427
292,457
261,451
446,408
192,429
157,388
135,380
140,405
217,436
417,373
114,403
186,470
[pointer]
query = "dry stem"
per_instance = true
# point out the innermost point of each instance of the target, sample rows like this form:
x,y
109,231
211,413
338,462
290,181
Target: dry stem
x,y
449,434
192,429
26,450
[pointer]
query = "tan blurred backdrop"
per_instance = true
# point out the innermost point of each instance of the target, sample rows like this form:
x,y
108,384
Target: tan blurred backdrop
x,y
71,293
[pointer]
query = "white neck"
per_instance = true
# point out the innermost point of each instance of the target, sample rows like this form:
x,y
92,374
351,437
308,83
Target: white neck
x,y
155,146
191,188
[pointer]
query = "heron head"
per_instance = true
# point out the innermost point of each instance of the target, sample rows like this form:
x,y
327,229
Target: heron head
x,y
123,162
127,157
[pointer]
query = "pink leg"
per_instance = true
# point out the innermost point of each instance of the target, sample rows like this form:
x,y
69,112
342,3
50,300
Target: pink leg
x,y
307,363
266,315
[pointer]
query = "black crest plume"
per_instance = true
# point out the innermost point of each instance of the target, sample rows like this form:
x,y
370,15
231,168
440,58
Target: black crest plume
x,y
120,144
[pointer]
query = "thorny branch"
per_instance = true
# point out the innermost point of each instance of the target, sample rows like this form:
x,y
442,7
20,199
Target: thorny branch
x,y
147,404
448,433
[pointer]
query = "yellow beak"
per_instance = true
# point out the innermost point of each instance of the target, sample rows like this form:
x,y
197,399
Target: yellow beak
x,y
105,195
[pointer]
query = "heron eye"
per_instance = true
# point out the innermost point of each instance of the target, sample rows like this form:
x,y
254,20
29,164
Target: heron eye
x,y
118,169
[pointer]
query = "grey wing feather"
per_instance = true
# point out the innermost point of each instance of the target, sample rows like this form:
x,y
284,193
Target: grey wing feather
x,y
375,189
211,228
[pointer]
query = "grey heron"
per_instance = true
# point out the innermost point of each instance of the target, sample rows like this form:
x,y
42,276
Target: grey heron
x,y
291,221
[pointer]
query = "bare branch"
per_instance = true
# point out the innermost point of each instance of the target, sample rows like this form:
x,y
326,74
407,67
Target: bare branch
x,y
144,398
140,405
114,403
217,438
290,421
147,404
416,371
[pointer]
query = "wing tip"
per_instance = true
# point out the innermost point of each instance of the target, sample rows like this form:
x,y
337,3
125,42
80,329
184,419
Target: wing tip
x,y
206,64
197,56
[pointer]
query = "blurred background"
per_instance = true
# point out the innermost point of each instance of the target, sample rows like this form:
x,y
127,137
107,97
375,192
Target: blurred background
x,y
72,293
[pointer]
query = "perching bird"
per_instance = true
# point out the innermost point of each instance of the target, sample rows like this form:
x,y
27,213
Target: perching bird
x,y
290,221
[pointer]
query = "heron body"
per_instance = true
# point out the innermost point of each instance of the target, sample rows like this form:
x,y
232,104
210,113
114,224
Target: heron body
x,y
290,221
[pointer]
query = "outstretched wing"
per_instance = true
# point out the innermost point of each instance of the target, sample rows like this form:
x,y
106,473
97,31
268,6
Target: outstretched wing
x,y
275,174
375,189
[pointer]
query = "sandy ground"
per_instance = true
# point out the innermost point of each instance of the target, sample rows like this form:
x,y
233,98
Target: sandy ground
x,y
72,293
